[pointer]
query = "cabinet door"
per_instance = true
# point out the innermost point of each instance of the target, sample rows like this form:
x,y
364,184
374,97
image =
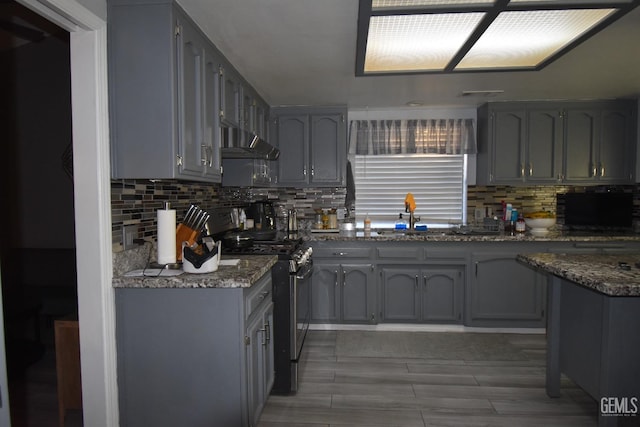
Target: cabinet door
x,y
543,163
358,294
255,349
190,50
293,142
581,135
325,292
442,295
615,159
230,94
328,149
505,292
212,159
269,363
507,157
400,293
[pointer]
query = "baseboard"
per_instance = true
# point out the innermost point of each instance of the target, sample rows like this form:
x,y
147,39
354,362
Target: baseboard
x,y
407,327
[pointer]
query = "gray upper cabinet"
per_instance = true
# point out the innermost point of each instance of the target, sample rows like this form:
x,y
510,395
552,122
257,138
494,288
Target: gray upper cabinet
x,y
519,144
313,147
170,91
524,143
230,98
600,143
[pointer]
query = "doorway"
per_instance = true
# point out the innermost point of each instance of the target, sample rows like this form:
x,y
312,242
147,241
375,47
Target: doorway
x,y
37,244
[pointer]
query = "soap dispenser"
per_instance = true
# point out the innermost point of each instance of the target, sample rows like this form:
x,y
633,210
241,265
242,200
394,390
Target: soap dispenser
x,y
401,224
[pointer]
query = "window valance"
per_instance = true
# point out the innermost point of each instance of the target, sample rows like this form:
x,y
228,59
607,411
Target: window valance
x,y
417,136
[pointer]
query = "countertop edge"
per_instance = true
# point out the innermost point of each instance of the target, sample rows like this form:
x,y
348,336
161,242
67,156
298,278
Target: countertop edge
x,y
248,271
597,272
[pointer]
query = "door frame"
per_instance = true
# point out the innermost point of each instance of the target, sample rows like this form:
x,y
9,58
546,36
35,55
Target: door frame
x,y
92,201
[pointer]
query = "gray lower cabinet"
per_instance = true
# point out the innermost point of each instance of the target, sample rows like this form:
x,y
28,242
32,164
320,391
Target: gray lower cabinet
x,y
503,292
428,295
196,357
343,293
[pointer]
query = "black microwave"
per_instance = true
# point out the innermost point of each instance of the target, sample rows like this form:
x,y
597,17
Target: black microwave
x,y
612,209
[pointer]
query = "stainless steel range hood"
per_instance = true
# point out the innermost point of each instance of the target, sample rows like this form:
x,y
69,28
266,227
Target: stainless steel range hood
x,y
237,144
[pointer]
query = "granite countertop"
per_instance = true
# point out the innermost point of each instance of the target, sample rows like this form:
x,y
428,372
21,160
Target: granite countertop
x,y
599,272
246,273
441,236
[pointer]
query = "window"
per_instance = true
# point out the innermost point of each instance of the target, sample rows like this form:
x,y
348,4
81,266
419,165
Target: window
x,y
424,157
437,182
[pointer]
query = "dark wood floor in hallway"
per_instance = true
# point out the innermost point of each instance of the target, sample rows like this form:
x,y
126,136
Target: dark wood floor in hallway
x,y
351,379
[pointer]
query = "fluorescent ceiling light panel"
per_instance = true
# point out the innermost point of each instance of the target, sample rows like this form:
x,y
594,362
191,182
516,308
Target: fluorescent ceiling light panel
x,y
416,42
448,36
527,38
417,4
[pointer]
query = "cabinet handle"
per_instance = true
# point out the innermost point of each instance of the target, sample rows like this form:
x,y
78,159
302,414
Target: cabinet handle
x,y
178,160
340,253
264,335
530,169
601,170
336,272
594,172
344,278
264,294
522,170
312,171
204,154
416,280
304,171
267,327
373,318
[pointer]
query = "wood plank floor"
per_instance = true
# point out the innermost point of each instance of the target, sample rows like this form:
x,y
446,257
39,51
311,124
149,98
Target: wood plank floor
x,y
339,390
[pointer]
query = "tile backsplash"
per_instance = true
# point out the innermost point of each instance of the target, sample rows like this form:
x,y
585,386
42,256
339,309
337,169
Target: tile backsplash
x,y
135,202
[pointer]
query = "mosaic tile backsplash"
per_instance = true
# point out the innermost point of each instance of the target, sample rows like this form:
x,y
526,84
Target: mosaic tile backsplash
x,y
135,202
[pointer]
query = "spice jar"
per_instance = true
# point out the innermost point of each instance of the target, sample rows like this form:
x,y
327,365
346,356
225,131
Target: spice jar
x,y
325,219
333,219
317,224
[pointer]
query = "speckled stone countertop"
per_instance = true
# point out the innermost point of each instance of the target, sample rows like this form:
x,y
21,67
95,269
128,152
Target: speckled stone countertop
x,y
437,236
594,271
249,270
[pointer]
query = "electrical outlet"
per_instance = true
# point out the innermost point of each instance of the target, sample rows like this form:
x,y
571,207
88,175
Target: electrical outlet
x,y
129,234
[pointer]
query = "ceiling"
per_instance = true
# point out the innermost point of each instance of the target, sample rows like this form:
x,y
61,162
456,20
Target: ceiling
x,y
302,52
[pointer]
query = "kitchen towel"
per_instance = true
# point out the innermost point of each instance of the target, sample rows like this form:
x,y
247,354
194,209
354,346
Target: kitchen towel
x,y
166,236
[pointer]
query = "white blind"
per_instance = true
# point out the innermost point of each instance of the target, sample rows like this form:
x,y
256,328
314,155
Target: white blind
x,y
437,183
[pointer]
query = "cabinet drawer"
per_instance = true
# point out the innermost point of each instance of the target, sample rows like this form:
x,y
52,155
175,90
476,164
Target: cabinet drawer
x,y
409,253
435,254
342,253
257,294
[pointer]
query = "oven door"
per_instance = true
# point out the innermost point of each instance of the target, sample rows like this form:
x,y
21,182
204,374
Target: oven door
x,y
300,307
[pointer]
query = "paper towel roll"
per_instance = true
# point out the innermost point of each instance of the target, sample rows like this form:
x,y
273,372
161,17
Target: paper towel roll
x,y
166,236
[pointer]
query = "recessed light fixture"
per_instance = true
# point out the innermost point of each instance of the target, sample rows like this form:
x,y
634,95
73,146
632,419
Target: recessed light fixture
x,y
448,36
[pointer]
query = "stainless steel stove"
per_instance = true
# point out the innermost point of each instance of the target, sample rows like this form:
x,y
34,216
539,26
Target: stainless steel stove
x,y
291,276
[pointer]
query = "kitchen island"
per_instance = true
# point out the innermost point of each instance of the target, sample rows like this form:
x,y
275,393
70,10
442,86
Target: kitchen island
x,y
593,326
195,349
